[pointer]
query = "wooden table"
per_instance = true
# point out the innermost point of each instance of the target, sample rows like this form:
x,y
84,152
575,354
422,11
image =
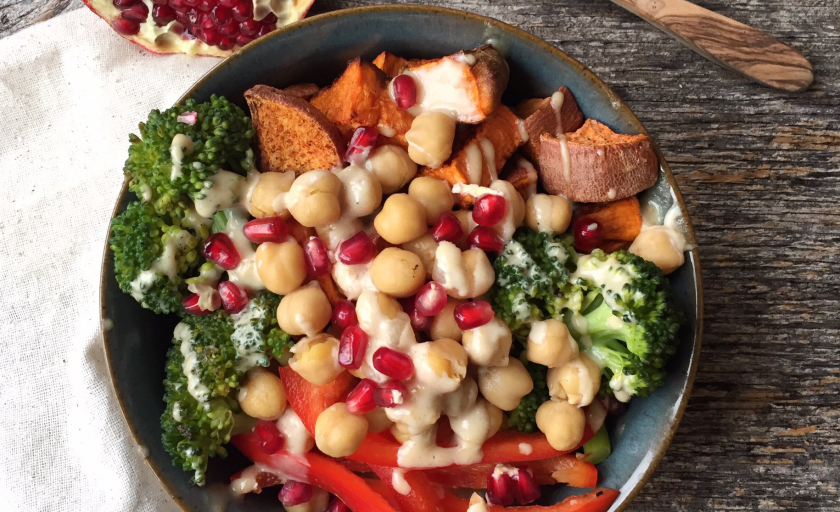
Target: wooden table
x,y
760,171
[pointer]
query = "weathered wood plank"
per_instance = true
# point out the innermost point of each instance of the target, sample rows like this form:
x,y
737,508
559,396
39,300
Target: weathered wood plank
x,y
760,170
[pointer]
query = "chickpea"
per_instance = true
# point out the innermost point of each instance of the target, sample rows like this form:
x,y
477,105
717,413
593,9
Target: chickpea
x,y
515,215
440,364
548,214
313,198
267,198
339,433
281,267
319,502
434,195
478,423
467,225
430,138
378,421
577,381
392,167
397,272
489,344
424,247
658,246
401,220
504,386
462,274
361,192
562,423
316,359
443,324
401,432
550,344
304,311
339,231
262,395
456,402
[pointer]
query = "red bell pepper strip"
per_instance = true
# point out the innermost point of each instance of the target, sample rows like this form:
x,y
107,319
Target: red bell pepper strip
x,y
310,400
319,471
598,500
565,468
421,497
381,450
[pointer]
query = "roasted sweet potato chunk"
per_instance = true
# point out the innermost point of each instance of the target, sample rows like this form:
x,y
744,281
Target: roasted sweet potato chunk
x,y
291,134
621,220
389,63
522,174
554,115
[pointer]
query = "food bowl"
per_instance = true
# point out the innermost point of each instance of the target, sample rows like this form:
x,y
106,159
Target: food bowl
x,y
317,49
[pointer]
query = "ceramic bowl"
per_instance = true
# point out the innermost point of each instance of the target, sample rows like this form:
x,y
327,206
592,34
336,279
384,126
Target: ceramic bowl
x,y
317,50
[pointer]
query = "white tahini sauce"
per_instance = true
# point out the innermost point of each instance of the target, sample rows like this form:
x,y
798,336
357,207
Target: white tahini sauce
x,y
245,274
399,483
445,86
220,191
298,439
526,449
181,146
196,388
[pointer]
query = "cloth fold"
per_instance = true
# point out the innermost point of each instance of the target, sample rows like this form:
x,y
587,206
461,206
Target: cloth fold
x,y
70,93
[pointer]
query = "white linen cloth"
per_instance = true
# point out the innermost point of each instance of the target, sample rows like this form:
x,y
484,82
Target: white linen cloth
x,y
71,91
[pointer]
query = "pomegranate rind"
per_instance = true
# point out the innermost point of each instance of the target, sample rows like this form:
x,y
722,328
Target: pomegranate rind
x,y
163,41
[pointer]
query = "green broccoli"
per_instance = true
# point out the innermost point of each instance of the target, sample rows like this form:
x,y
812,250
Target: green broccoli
x,y
219,139
523,418
204,367
152,257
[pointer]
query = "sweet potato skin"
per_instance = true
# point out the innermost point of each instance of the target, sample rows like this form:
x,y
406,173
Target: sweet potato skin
x,y
359,97
291,134
304,90
603,165
541,116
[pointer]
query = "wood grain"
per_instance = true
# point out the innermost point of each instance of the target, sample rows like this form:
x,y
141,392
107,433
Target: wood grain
x,y
730,43
760,171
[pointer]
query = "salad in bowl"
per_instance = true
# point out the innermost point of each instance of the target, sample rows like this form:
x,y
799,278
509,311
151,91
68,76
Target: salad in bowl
x,y
397,292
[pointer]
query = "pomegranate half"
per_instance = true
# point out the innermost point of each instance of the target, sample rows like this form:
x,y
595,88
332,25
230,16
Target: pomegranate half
x,y
197,27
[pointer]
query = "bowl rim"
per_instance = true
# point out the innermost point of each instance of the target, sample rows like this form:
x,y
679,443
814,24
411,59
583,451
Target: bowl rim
x,y
625,498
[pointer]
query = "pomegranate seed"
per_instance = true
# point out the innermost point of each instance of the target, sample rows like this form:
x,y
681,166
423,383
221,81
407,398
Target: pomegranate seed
x,y
405,91
588,234
241,11
357,249
489,209
160,2
206,23
178,4
191,3
431,299
126,26
228,3
163,14
470,315
500,488
193,16
352,348
220,250
419,321
221,16
205,5
211,37
177,28
123,4
344,314
362,142
270,19
393,364
317,257
294,493
390,394
361,399
447,228
226,43
269,437
485,239
265,30
188,118
527,490
138,12
249,27
266,229
231,30
190,304
242,39
234,298
336,505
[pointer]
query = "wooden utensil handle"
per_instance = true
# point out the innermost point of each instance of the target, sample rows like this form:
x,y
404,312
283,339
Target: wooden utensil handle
x,y
750,51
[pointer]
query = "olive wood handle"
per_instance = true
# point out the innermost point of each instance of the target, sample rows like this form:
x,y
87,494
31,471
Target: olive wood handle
x,y
730,43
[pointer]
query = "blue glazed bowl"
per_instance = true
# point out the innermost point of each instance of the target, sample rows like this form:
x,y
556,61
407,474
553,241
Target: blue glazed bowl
x,y
317,50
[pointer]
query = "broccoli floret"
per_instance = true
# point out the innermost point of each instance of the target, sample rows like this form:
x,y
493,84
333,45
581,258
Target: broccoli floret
x,y
637,306
220,138
523,418
530,272
204,367
152,257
